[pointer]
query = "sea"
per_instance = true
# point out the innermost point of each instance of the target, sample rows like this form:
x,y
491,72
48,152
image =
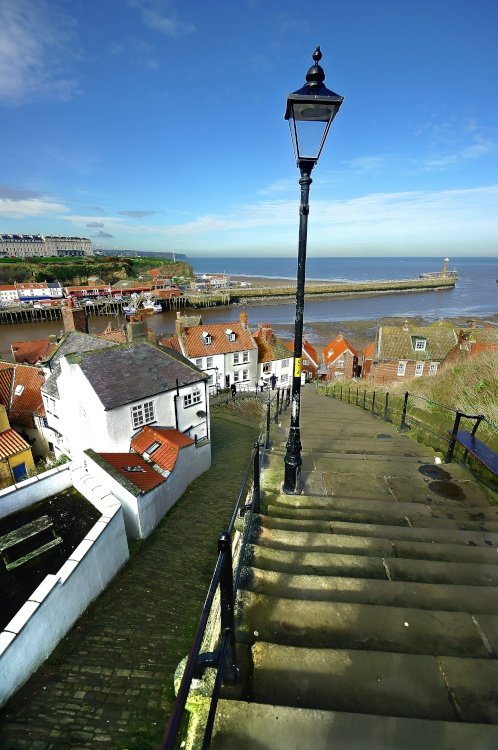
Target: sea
x,y
475,295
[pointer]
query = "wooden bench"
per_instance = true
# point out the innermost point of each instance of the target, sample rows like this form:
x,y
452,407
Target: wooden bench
x,y
22,534
485,455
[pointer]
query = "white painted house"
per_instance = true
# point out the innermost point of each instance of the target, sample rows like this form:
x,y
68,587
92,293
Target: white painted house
x,y
226,352
99,398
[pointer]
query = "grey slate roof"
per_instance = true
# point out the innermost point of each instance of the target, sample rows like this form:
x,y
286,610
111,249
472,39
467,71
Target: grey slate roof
x,y
124,374
72,343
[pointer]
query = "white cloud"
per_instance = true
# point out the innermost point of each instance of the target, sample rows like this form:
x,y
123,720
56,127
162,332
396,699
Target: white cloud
x,y
154,18
19,209
32,35
366,163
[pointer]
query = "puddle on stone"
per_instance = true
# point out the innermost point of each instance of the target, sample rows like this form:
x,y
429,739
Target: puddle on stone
x,y
382,436
434,472
448,490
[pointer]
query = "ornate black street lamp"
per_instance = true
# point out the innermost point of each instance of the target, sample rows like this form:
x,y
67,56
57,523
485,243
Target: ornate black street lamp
x,y
310,112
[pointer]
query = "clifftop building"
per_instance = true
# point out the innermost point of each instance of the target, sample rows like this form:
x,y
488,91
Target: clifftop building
x,y
40,245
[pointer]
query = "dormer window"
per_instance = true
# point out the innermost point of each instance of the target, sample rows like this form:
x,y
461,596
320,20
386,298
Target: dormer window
x,y
420,345
207,338
230,334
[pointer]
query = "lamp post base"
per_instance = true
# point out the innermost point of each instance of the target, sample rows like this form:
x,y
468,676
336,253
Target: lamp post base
x,y
292,464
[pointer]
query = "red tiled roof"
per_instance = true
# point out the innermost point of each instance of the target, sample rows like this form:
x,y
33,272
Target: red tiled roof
x,y
195,346
270,348
146,478
369,350
336,348
31,352
170,442
309,351
7,287
171,342
118,335
11,443
24,397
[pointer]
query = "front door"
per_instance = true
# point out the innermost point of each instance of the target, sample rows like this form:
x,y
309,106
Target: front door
x,y
19,472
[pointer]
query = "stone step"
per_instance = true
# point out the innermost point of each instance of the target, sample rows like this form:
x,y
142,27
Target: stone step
x,y
247,726
419,515
385,684
444,597
318,624
375,546
305,562
407,533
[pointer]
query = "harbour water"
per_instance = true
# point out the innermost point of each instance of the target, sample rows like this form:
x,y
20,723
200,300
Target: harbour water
x,y
475,294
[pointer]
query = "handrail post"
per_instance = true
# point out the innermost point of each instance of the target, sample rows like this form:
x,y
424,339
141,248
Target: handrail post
x,y
373,402
229,668
357,396
474,430
341,391
451,447
287,403
364,398
403,425
349,395
278,404
386,407
256,489
268,417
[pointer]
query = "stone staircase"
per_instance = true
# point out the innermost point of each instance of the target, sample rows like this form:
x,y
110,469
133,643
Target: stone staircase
x,y
368,609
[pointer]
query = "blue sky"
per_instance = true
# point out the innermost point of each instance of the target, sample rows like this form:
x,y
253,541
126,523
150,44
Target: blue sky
x,y
158,125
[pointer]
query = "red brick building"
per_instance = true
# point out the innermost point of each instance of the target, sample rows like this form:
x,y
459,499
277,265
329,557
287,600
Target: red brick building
x,y
340,359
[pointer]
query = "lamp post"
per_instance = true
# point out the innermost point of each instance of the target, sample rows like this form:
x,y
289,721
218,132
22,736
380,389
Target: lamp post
x,y
310,112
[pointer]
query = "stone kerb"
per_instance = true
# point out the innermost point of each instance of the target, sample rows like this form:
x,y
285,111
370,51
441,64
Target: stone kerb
x,y
60,599
23,494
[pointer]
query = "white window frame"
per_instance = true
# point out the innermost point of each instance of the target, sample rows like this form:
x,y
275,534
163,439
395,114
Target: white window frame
x,y
236,376
236,358
191,399
433,368
209,362
267,368
285,363
339,363
284,378
245,357
198,363
142,414
401,369
245,374
420,345
419,369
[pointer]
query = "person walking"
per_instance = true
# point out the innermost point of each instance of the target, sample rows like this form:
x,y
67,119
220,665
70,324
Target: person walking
x,y
273,381
233,388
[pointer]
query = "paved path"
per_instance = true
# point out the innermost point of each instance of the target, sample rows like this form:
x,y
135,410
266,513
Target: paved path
x,y
368,610
109,683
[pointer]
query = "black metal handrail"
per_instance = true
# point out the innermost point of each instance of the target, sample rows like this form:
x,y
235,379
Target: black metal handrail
x,y
224,659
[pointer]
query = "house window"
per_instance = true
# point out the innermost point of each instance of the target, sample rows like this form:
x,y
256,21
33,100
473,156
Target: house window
x,y
245,356
245,374
236,376
198,363
152,447
230,334
209,362
285,363
142,414
401,368
419,369
206,338
284,378
306,361
267,368
340,363
420,345
236,358
192,398
433,368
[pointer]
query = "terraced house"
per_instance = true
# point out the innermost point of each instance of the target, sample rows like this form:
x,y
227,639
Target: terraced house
x,y
407,351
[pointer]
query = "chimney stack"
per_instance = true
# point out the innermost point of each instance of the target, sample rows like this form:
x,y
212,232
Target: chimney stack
x,y
244,319
74,318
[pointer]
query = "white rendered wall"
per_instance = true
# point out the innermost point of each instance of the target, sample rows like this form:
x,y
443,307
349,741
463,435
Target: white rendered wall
x,y
23,494
60,599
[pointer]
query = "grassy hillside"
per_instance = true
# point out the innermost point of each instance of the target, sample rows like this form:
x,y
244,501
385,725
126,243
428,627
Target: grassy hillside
x,y
76,270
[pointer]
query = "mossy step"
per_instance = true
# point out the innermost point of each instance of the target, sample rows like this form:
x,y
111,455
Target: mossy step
x,y
251,726
346,625
358,545
449,536
419,516
444,597
305,562
389,684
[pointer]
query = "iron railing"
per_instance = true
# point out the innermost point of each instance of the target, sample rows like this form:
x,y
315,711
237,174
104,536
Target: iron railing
x,y
224,658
